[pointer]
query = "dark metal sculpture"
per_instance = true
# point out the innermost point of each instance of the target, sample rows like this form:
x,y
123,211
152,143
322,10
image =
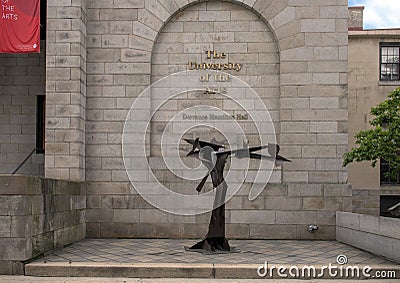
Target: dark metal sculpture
x,y
212,155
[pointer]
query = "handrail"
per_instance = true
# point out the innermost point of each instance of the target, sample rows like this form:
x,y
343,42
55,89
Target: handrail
x,y
23,162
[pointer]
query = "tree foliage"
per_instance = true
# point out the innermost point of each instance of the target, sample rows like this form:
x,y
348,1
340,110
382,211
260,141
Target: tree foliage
x,y
383,140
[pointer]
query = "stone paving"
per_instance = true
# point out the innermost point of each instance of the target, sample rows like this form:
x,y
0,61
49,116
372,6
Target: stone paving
x,y
250,252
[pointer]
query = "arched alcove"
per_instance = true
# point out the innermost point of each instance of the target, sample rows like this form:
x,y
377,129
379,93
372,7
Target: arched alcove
x,y
226,28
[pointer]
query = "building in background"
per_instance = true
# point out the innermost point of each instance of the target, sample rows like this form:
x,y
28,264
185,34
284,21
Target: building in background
x,y
373,73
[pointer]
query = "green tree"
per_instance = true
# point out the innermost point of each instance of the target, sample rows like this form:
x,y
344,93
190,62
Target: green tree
x,y
383,140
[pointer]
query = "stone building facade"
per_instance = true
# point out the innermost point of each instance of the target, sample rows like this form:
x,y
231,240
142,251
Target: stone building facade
x,y
368,86
100,55
23,78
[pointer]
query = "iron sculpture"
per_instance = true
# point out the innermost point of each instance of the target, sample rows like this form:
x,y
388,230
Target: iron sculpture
x,y
214,157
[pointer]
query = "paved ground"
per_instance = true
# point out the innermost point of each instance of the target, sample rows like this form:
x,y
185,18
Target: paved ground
x,y
144,258
250,252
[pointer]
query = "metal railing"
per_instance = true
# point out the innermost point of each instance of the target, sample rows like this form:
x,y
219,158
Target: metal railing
x,y
23,162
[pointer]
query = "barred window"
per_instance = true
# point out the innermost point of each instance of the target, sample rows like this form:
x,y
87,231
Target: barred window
x,y
390,64
385,179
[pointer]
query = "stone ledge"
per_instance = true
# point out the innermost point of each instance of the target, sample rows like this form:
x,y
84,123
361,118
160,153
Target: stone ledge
x,y
38,215
108,269
382,226
375,234
168,270
31,185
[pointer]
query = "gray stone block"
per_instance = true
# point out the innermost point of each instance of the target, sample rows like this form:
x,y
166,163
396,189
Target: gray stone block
x,y
276,190
337,190
99,215
295,177
12,185
113,230
325,232
20,226
144,31
14,249
370,224
42,243
132,55
194,231
348,220
304,189
118,14
313,203
343,234
9,267
153,216
150,20
252,216
129,4
258,203
103,55
14,205
69,235
326,217
5,226
296,217
320,25
237,231
279,232
157,9
283,203
396,250
389,227
324,177
126,215
93,230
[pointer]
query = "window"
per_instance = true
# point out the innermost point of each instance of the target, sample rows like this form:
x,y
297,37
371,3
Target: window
x,y
390,61
388,180
40,123
43,15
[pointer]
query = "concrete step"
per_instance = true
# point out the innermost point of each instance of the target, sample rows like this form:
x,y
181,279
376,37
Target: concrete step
x,y
140,270
179,270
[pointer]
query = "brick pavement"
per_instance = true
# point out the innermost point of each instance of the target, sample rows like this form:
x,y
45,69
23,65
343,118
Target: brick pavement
x,y
250,252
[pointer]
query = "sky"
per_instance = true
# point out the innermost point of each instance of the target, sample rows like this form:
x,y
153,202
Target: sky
x,y
379,13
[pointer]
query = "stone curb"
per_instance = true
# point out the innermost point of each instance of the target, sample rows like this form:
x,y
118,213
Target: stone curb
x,y
170,270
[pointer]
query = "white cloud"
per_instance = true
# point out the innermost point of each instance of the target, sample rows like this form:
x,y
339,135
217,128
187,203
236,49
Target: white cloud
x,y
379,13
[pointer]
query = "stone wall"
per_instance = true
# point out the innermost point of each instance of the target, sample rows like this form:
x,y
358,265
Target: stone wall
x,y
305,47
377,235
282,211
66,90
37,216
22,78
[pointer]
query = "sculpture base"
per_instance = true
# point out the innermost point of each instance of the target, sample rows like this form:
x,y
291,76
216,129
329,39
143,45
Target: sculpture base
x,y
212,246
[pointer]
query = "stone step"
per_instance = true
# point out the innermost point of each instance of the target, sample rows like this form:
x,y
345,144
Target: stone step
x,y
180,270
112,269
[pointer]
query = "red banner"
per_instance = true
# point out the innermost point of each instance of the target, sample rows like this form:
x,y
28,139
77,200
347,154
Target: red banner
x,y
20,26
